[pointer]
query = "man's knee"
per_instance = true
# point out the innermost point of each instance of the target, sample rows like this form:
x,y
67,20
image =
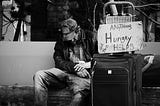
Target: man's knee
x,y
39,75
43,73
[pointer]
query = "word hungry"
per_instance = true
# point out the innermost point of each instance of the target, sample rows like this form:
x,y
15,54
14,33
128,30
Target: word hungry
x,y
118,39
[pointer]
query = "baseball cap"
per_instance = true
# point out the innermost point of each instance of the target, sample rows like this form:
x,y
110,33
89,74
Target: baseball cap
x,y
68,26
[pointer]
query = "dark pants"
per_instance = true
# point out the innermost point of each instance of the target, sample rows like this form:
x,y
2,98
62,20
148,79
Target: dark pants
x,y
58,79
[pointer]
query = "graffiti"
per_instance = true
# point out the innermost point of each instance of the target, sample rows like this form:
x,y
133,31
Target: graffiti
x,y
103,47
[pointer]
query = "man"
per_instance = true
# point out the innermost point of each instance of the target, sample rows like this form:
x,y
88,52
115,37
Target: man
x,y
73,55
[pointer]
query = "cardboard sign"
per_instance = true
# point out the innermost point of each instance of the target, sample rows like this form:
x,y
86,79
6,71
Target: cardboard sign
x,y
120,37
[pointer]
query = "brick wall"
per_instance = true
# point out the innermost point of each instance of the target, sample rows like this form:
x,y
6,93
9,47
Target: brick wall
x,y
38,20
56,12
46,17
1,20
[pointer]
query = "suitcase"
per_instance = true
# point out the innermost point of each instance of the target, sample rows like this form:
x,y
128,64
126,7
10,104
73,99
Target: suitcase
x,y
115,80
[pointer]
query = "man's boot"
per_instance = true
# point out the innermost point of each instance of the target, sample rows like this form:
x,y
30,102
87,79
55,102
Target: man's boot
x,y
77,100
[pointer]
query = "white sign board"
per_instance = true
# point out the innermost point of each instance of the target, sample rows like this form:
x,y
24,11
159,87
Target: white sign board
x,y
120,37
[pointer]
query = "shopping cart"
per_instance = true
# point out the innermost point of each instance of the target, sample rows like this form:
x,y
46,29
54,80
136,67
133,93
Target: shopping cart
x,y
120,33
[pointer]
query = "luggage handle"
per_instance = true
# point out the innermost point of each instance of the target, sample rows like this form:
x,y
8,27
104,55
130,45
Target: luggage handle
x,y
116,3
150,61
146,67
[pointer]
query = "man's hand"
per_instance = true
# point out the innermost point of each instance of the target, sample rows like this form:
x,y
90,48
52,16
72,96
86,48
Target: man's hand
x,y
81,69
83,73
82,65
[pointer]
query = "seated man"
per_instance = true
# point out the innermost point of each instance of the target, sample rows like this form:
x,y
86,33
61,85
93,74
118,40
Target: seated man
x,y
73,55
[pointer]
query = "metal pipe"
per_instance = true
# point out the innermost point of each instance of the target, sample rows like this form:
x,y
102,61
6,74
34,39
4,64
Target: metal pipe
x,y
113,8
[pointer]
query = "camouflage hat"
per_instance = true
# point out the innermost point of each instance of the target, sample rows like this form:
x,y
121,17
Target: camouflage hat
x,y
68,25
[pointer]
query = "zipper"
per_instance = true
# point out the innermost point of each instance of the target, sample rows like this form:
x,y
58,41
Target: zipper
x,y
113,64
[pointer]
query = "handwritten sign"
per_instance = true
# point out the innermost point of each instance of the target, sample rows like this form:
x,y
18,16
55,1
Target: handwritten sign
x,y
120,37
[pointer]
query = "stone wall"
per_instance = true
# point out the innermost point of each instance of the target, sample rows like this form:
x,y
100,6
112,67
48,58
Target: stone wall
x,y
24,96
16,96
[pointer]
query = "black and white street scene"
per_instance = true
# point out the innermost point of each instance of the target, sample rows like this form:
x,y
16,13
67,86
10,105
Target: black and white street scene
x,y
79,52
